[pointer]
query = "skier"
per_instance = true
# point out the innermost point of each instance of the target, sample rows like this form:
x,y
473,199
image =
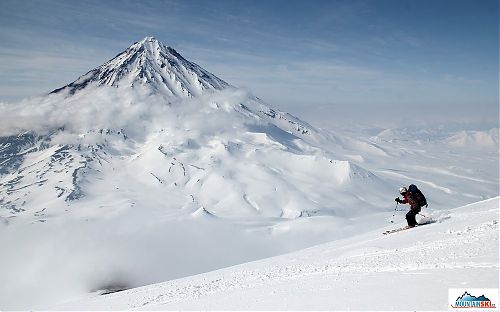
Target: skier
x,y
415,207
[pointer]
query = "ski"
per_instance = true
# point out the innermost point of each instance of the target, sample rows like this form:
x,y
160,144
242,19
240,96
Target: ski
x,y
406,227
396,230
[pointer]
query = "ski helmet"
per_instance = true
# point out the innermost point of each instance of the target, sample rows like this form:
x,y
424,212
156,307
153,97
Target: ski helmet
x,y
403,190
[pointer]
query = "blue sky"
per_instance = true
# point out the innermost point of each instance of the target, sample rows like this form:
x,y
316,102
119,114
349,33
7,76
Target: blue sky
x,y
326,61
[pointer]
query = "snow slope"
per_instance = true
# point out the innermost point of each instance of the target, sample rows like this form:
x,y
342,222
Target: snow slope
x,y
450,175
150,157
149,168
409,270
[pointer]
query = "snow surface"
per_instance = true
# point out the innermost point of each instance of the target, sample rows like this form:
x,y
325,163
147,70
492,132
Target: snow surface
x,y
149,168
409,270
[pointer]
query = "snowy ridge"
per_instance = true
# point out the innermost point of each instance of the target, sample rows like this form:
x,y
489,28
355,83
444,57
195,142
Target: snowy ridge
x,y
13,148
471,139
460,249
475,139
150,62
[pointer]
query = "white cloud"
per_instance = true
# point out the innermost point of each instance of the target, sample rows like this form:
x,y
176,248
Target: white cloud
x,y
132,109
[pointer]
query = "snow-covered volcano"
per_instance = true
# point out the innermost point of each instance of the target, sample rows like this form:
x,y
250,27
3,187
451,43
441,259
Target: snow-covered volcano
x,y
152,119
154,150
155,64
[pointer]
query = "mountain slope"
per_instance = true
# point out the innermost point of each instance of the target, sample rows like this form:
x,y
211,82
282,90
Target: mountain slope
x,y
149,168
461,250
152,150
191,147
149,93
150,62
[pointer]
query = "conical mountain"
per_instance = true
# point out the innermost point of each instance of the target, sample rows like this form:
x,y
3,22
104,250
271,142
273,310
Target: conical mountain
x,y
190,132
150,62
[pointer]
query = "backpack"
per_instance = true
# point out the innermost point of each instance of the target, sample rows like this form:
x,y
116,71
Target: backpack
x,y
417,195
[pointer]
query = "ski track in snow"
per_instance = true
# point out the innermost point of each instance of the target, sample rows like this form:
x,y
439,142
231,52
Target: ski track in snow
x,y
453,243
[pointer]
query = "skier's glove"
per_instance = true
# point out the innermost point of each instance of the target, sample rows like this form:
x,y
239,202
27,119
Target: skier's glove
x,y
398,200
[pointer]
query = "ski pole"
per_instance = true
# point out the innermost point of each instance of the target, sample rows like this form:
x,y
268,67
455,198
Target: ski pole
x,y
392,221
